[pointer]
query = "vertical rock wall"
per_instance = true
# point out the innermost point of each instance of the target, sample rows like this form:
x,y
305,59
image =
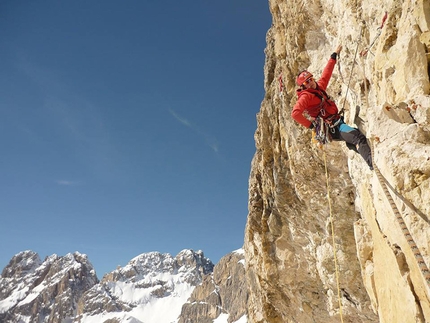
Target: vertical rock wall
x,y
222,292
288,242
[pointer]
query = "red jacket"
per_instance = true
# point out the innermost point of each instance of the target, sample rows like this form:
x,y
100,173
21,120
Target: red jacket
x,y
313,102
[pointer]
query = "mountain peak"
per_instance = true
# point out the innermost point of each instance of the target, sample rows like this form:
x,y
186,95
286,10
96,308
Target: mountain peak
x,y
21,264
29,285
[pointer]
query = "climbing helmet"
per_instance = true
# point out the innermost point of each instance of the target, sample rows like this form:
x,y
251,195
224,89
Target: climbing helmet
x,y
303,77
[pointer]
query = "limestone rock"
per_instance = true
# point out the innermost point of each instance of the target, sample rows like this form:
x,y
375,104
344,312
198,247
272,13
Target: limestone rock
x,y
48,291
224,291
288,239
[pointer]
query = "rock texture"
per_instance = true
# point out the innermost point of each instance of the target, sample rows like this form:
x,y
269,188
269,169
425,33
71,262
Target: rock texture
x,y
224,291
48,291
288,241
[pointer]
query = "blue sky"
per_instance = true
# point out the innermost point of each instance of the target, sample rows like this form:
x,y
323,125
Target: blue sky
x,y
127,126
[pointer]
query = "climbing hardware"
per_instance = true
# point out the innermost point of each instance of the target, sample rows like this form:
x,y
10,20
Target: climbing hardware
x,y
281,84
378,33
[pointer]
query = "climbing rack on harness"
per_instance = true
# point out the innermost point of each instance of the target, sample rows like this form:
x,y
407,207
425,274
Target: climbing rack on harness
x,y
325,129
322,131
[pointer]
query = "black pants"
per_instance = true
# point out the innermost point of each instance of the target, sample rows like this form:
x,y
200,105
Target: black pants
x,y
354,139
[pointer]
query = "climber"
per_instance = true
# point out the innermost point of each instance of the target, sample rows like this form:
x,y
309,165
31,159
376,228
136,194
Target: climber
x,y
314,105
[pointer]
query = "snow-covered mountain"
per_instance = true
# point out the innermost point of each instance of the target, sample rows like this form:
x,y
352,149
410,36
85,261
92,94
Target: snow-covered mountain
x,y
35,291
151,288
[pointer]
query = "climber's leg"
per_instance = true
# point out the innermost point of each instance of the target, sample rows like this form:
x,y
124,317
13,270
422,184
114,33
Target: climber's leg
x,y
356,138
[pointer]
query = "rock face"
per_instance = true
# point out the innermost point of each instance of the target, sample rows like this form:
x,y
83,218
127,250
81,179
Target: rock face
x,y
48,291
288,239
222,293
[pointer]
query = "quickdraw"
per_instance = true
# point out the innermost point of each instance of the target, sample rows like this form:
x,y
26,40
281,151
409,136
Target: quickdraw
x,y
281,83
322,131
378,33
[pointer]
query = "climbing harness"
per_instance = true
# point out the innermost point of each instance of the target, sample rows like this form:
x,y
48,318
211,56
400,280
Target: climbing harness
x,y
378,33
419,258
325,130
333,241
324,125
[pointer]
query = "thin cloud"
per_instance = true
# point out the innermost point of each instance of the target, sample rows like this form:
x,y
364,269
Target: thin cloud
x,y
76,120
214,147
67,183
209,140
180,119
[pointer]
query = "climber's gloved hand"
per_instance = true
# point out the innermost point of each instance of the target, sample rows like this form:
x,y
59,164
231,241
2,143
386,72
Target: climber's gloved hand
x,y
336,52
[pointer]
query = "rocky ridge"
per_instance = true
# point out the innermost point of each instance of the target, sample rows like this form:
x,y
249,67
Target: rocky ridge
x,y
152,286
36,291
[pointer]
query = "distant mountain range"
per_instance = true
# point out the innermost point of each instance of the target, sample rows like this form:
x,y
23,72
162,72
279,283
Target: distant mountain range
x,y
151,288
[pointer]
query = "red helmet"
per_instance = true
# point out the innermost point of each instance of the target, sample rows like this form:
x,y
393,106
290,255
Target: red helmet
x,y
303,76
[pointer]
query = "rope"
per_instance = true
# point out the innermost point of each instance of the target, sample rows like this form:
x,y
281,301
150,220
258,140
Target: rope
x,y
333,241
419,258
362,54
350,75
